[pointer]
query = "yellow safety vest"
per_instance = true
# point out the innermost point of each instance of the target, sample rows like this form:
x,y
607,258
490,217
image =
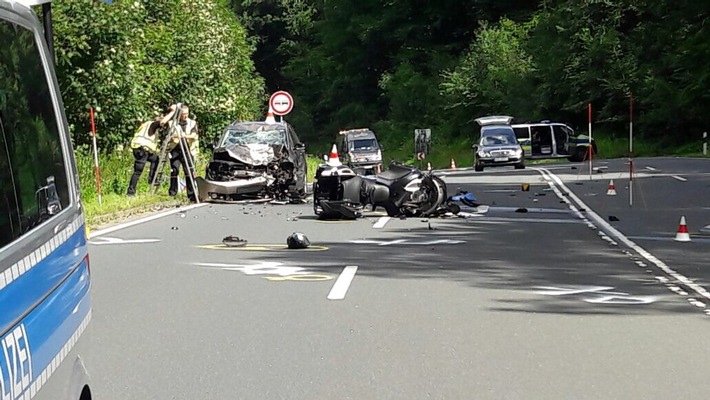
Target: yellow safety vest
x,y
143,139
189,127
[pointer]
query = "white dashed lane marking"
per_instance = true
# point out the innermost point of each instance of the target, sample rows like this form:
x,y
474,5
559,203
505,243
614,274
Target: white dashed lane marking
x,y
381,222
342,284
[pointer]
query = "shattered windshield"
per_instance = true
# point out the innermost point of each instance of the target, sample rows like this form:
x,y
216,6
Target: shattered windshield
x,y
259,136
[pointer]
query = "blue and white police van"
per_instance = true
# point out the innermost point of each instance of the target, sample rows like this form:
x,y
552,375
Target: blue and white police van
x,y
45,304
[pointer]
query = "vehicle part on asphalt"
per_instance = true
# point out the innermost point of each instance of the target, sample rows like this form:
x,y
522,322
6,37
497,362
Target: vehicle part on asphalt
x,y
234,241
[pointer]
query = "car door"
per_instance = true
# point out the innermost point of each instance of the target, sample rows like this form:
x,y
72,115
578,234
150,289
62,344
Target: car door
x,y
299,150
561,136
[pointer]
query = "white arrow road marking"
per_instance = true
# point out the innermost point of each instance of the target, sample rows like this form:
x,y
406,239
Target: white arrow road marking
x,y
604,294
263,268
561,291
406,241
680,178
622,300
342,284
112,240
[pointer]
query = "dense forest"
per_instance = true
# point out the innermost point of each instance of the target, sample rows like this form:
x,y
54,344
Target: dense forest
x,y
390,65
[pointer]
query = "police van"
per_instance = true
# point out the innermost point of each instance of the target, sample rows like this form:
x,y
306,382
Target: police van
x,y
44,262
360,150
547,139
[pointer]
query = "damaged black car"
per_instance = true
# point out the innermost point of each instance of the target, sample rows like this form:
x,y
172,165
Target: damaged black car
x,y
256,161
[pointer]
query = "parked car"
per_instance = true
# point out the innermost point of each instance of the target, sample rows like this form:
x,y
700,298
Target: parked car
x,y
496,144
256,160
360,150
547,139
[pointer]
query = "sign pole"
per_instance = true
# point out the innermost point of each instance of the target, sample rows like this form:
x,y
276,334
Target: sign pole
x,y
590,148
631,150
97,171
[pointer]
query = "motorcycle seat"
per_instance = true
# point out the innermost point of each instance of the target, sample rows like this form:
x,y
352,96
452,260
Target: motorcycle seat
x,y
392,174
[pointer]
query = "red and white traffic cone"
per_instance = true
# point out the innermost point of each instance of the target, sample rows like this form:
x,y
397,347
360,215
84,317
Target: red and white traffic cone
x,y
611,191
428,166
682,235
453,164
333,158
270,117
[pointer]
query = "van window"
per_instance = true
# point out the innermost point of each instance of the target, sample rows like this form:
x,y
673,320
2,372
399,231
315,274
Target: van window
x,y
33,178
522,132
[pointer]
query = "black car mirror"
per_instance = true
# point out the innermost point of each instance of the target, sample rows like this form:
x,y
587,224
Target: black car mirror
x,y
474,146
300,146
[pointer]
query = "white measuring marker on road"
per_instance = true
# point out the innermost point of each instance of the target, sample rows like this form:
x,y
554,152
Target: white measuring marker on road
x,y
680,178
342,284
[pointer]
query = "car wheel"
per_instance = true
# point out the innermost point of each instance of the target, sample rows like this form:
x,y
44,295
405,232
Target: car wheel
x,y
520,166
478,168
580,154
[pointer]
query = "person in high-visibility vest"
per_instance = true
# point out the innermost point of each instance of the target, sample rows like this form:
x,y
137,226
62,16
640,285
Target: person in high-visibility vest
x,y
187,129
145,148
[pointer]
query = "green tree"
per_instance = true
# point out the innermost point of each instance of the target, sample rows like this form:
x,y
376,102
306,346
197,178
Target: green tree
x,y
494,75
130,59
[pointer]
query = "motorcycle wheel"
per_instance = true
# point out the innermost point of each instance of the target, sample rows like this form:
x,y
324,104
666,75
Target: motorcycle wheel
x,y
436,190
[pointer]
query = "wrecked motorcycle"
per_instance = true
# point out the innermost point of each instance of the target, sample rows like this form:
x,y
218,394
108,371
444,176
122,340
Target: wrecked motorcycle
x,y
402,190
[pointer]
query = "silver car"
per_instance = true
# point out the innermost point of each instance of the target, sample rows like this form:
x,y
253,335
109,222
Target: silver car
x,y
497,145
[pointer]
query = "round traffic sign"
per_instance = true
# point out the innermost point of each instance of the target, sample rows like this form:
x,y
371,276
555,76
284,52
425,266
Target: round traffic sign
x,y
281,103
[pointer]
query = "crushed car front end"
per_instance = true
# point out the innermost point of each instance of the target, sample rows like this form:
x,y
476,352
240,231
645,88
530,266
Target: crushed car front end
x,y
241,171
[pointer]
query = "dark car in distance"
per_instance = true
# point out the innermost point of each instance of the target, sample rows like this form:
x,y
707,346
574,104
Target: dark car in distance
x,y
496,144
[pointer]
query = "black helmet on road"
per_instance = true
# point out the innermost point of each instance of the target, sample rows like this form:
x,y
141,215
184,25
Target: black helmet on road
x,y
297,240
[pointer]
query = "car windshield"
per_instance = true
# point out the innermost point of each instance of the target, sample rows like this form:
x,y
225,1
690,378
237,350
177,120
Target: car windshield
x,y
498,136
259,136
364,144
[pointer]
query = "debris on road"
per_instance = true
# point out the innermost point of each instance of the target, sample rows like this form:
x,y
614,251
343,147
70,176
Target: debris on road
x,y
234,241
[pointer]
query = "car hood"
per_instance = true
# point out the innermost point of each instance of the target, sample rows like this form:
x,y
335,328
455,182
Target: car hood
x,y
253,154
500,147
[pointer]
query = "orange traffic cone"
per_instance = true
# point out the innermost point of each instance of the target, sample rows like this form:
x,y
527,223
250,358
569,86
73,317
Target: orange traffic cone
x,y
333,158
453,164
378,170
682,235
270,117
612,190
428,166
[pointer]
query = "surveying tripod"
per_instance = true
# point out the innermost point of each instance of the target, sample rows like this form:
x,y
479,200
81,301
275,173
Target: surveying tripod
x,y
174,129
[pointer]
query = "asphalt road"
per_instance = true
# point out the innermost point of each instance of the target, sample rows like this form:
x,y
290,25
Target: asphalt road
x,y
534,295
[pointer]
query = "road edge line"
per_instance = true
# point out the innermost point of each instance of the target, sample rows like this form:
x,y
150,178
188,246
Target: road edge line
x,y
115,228
611,231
